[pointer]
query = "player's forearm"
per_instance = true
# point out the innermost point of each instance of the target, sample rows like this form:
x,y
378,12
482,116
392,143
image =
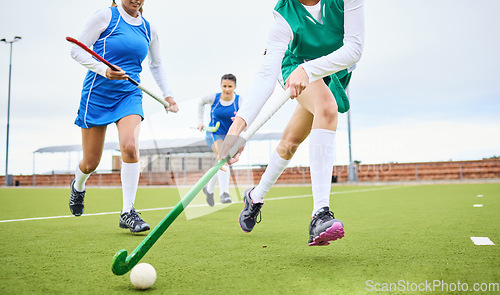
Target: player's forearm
x,y
161,80
207,99
82,57
260,91
237,126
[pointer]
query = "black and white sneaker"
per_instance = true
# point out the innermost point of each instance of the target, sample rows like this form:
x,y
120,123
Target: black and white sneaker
x,y
325,228
132,221
225,198
76,200
210,197
248,216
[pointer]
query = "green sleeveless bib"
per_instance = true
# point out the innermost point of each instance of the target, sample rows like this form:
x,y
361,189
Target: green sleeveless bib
x,y
312,39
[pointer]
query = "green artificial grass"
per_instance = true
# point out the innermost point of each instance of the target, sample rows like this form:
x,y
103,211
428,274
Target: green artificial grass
x,y
394,234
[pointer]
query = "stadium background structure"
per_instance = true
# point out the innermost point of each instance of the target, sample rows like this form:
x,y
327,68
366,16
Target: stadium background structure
x,y
182,161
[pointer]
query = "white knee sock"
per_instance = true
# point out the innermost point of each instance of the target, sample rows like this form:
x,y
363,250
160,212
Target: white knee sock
x,y
130,181
80,179
321,158
224,180
273,171
211,184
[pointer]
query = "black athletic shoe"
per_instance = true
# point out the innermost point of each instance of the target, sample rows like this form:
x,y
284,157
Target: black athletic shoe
x,y
76,200
325,228
210,197
248,216
225,198
132,221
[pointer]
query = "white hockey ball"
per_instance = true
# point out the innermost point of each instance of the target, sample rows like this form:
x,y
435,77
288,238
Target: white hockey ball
x,y
143,276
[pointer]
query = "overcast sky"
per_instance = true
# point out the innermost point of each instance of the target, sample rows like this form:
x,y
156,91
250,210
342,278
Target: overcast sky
x,y
426,89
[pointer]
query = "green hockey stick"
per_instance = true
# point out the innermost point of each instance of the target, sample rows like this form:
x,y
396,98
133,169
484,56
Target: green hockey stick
x,y
122,263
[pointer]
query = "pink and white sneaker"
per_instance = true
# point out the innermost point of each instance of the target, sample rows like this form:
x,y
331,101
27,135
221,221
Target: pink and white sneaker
x,y
325,228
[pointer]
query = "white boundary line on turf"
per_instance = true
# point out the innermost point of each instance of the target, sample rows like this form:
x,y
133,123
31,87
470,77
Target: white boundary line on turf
x,y
482,241
199,205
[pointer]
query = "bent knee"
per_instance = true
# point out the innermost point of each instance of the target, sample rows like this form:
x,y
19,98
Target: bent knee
x,y
328,113
130,152
89,166
287,148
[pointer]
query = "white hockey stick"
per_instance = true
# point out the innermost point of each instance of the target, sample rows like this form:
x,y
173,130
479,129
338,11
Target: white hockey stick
x,y
261,119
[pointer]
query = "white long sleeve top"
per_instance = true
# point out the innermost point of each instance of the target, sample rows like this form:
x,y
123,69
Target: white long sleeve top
x,y
277,43
93,29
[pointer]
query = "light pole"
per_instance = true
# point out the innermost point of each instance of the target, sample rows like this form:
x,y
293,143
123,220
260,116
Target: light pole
x,y
352,171
8,180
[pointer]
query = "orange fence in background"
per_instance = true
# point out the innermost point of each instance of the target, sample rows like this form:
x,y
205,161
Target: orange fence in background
x,y
430,171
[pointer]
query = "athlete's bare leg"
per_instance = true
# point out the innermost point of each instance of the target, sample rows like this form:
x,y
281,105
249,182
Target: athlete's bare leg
x,y
92,145
317,109
128,135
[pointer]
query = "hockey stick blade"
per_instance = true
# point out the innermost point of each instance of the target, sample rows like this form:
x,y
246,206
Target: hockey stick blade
x,y
122,263
213,128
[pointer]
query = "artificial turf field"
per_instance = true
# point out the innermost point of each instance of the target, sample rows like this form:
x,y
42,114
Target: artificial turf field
x,y
405,235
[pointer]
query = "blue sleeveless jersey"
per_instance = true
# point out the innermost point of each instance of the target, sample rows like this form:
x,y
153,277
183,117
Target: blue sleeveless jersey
x,y
105,101
222,114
